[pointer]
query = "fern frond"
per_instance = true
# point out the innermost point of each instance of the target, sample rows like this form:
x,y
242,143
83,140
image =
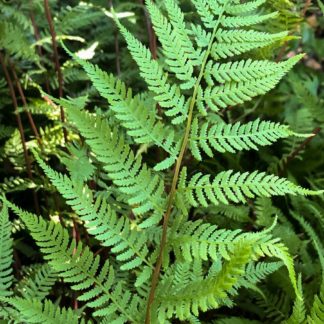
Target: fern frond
x,y
236,187
140,121
203,294
38,284
255,272
197,240
299,312
236,92
78,266
234,42
14,40
234,137
36,311
175,47
243,8
166,94
143,187
317,311
243,21
6,253
128,244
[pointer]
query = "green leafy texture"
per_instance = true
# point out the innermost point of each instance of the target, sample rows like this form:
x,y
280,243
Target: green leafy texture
x,y
176,49
140,121
317,311
241,88
14,40
78,266
39,284
186,299
127,243
255,272
236,187
144,188
36,311
167,95
197,240
321,5
234,137
299,312
6,253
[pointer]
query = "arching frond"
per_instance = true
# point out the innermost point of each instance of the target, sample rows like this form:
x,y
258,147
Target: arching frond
x,y
79,266
129,245
143,187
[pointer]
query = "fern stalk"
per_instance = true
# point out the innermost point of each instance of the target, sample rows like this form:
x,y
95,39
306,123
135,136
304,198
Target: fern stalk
x,y
56,60
23,99
20,128
157,269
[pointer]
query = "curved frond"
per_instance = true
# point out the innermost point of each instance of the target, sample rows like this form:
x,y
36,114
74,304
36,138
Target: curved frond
x,y
129,245
187,299
79,266
143,187
139,120
166,94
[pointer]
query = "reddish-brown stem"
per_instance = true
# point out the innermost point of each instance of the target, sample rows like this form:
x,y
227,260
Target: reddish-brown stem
x,y
56,60
39,47
23,98
302,146
20,127
306,7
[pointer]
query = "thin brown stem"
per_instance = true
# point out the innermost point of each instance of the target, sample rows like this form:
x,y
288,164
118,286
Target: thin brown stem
x,y
37,38
293,154
306,7
23,98
56,60
20,127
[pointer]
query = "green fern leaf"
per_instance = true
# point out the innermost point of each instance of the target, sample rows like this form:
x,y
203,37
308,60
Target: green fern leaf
x,y
38,284
236,187
77,265
35,311
167,95
233,93
6,253
187,299
140,121
143,187
234,137
128,244
173,44
234,42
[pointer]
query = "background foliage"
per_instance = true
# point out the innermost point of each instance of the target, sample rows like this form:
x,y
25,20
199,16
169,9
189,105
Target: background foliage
x,y
31,121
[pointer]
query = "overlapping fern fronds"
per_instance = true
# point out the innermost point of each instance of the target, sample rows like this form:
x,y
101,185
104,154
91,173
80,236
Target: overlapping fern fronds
x,y
80,267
